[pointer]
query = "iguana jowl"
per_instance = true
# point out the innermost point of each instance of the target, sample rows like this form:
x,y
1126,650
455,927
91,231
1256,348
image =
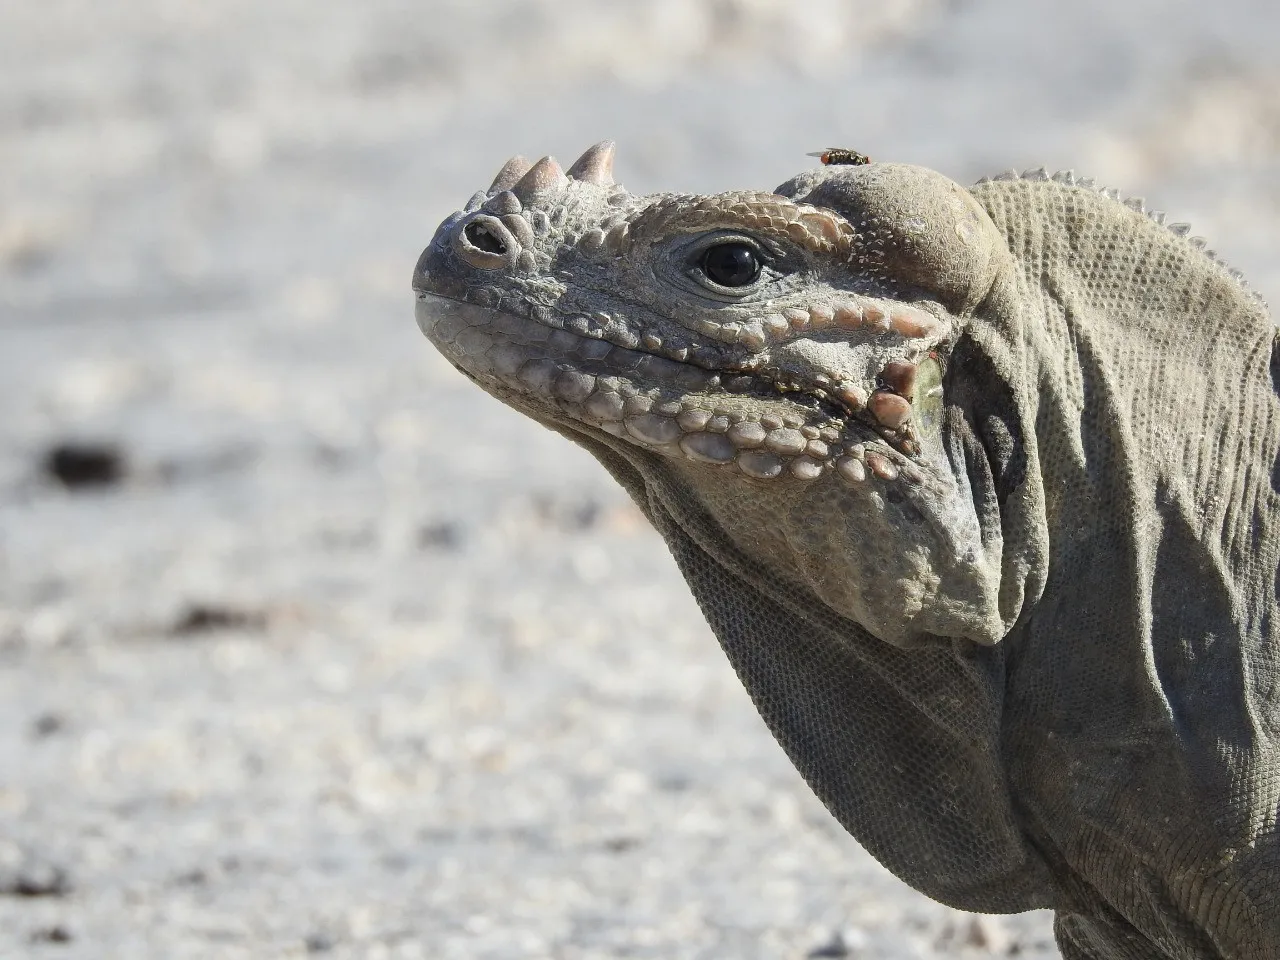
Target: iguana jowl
x,y
977,489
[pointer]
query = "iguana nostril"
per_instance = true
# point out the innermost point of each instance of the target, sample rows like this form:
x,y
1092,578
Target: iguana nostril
x,y
483,237
485,242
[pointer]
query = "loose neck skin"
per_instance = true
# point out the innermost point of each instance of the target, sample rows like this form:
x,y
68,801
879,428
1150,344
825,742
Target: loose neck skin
x,y
1145,673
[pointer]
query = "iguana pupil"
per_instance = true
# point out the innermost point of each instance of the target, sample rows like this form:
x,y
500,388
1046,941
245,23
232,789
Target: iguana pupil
x,y
731,264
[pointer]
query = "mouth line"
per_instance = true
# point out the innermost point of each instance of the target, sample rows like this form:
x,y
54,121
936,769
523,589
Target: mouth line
x,y
710,415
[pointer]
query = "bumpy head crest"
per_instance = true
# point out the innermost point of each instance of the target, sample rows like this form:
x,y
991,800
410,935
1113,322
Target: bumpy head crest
x,y
912,225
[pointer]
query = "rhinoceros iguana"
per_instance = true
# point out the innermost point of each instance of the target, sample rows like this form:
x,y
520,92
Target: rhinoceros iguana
x,y
977,489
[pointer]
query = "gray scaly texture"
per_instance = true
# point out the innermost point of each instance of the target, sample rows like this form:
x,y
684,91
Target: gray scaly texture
x,y
976,488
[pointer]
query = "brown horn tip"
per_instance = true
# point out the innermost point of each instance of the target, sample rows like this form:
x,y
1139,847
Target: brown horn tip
x,y
510,174
545,176
596,164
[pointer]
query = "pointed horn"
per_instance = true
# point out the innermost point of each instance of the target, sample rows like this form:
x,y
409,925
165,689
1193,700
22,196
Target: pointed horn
x,y
545,176
596,165
510,174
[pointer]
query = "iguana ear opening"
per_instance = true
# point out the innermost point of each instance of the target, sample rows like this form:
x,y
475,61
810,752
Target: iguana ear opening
x,y
913,227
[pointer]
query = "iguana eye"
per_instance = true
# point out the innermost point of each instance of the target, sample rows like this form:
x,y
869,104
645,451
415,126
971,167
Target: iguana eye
x,y
733,264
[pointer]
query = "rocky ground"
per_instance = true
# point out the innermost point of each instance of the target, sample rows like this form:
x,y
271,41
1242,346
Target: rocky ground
x,y
309,648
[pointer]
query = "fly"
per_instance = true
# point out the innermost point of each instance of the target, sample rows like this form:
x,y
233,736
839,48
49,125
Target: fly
x,y
839,156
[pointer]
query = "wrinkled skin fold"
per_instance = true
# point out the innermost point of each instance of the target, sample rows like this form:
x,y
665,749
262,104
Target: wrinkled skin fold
x,y
975,487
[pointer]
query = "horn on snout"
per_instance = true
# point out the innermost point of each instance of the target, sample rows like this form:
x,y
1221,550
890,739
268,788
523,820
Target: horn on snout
x,y
595,165
545,176
510,174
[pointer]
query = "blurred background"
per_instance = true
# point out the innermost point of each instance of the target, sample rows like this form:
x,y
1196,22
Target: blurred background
x,y
308,647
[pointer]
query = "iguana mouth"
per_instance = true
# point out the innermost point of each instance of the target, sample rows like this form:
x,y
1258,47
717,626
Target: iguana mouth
x,y
766,422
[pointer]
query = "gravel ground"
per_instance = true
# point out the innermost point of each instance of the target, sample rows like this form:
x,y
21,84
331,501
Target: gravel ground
x,y
309,648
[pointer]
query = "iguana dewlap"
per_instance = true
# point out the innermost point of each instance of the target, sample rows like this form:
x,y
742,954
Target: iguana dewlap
x,y
976,488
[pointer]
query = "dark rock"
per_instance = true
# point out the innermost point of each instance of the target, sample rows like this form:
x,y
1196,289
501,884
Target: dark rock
x,y
849,942
47,724
319,943
196,877
833,948
207,617
35,879
55,934
77,464
440,535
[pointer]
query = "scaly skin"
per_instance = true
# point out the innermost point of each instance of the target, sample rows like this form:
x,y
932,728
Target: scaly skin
x,y
946,469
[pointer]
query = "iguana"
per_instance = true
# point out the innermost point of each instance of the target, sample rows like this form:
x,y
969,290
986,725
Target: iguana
x,y
977,489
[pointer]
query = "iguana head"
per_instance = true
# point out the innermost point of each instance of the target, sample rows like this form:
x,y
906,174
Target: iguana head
x,y
783,360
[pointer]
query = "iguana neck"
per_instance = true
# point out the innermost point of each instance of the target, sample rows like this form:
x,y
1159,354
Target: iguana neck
x,y
1150,649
